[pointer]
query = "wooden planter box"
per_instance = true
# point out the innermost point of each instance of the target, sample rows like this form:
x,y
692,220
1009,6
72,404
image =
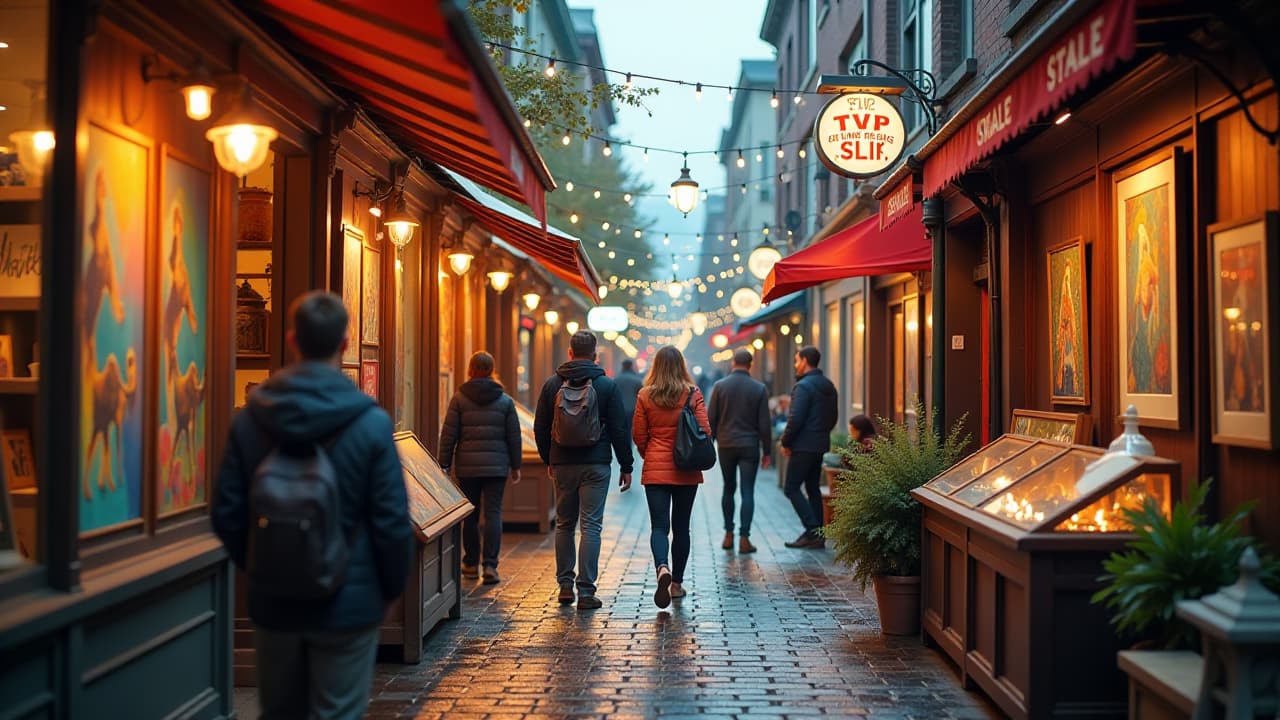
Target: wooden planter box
x,y
1008,599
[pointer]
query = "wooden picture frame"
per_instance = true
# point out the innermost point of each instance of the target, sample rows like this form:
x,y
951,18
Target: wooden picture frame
x,y
371,297
369,378
20,248
1244,257
18,457
353,374
1074,428
1147,222
352,253
1069,376
435,501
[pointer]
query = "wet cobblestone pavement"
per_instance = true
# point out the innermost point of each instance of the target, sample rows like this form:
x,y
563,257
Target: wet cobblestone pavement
x,y
781,633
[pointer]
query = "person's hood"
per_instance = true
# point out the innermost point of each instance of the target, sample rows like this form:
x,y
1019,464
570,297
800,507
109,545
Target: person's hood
x,y
482,391
579,372
307,403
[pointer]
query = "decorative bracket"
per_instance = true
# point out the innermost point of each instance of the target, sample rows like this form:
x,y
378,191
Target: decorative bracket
x,y
921,86
1201,57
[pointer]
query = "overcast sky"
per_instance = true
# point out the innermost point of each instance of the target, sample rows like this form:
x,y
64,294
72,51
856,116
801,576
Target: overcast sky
x,y
693,40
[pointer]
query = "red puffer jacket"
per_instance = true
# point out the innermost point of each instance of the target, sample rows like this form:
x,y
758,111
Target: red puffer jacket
x,y
654,430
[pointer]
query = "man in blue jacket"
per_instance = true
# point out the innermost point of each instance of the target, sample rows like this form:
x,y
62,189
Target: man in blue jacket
x,y
315,657
581,473
814,411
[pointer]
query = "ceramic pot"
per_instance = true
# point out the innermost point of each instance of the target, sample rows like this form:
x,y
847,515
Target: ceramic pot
x,y
255,216
898,600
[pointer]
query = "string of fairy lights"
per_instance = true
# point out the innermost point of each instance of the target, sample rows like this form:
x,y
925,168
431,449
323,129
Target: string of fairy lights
x,y
596,192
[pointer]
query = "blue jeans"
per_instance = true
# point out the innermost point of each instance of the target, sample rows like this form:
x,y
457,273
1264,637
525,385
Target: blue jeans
x,y
488,491
670,507
310,675
804,469
580,493
734,462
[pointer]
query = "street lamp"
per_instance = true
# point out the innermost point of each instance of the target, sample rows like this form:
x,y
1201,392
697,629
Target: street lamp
x,y
460,261
552,317
684,191
241,138
572,326
531,300
500,279
400,224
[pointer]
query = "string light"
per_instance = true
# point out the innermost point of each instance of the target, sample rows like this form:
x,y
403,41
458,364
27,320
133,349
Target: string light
x,y
626,198
596,194
608,149
551,67
568,187
773,101
566,139
573,218
742,162
798,98
628,84
697,92
780,152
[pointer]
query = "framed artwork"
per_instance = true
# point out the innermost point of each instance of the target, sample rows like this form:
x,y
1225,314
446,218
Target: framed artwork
x,y
1075,428
435,502
1147,242
1068,324
6,356
112,321
1245,254
182,413
352,245
353,374
20,261
369,378
18,458
370,296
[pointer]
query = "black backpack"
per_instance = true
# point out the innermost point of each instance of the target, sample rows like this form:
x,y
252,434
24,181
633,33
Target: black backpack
x,y
296,545
576,421
694,450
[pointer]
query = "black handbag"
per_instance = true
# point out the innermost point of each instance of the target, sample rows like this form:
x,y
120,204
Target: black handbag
x,y
694,450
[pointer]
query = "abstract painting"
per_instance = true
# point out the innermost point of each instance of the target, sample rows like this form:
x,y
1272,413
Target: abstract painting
x,y
1068,325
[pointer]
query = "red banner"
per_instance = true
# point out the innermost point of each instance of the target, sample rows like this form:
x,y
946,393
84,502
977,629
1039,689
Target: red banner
x,y
1094,45
899,203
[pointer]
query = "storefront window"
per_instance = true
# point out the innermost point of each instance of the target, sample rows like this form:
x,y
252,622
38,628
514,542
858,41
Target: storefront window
x,y
911,358
446,285
408,337
897,324
835,368
857,321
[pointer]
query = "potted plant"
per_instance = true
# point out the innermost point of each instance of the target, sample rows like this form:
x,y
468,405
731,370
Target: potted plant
x,y
876,523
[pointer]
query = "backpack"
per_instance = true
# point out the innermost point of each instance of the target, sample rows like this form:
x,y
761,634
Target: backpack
x,y
296,545
693,450
576,420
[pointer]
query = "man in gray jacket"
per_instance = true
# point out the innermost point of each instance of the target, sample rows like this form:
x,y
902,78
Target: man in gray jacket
x,y
480,440
739,416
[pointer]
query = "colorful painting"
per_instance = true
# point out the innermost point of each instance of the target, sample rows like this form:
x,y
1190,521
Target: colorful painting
x,y
1148,342
18,459
20,261
371,294
1068,325
352,245
113,283
1243,253
181,466
369,378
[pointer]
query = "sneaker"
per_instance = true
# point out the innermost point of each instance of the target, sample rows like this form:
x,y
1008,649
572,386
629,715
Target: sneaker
x,y
491,576
677,590
728,541
470,571
589,602
662,598
566,596
745,546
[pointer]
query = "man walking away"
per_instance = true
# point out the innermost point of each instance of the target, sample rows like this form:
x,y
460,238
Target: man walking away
x,y
311,458
629,383
806,437
480,440
579,417
739,415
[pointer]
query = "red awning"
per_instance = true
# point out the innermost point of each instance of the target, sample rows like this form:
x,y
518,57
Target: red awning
x,y
858,251
1094,45
419,68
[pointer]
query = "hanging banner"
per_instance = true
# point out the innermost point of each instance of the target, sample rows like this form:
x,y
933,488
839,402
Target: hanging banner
x,y
1091,47
859,135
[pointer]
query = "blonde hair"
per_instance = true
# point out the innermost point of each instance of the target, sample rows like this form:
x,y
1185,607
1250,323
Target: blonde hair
x,y
668,378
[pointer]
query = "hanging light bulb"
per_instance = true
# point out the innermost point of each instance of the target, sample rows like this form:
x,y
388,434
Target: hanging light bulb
x,y
566,139
400,224
608,149
780,152
666,239
573,218
742,162
500,279
604,225
675,288
531,300
802,152
628,84
460,261
572,326
596,194
797,99
759,157
626,198
568,187
198,93
528,123
602,291
646,154
773,101
638,234
762,259
551,68
744,188
697,92
241,138
552,317
684,191
729,95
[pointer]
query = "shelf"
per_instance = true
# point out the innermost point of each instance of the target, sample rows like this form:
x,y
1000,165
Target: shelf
x,y
14,304
253,362
19,386
20,193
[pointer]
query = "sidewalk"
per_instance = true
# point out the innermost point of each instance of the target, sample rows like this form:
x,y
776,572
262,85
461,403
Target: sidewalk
x,y
781,633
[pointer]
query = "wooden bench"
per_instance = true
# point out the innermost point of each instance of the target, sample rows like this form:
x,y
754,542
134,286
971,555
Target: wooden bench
x,y
1163,684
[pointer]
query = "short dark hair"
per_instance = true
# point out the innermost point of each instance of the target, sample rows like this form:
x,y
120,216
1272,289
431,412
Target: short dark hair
x,y
863,425
811,355
480,365
628,365
319,324
742,358
583,345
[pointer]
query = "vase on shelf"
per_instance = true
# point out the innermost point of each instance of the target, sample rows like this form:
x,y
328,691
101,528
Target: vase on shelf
x,y
255,216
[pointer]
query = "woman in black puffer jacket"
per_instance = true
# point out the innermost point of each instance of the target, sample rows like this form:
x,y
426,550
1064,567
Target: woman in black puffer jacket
x,y
480,441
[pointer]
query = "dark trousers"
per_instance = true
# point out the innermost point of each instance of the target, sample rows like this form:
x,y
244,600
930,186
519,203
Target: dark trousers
x,y
486,495
670,507
320,675
734,462
804,470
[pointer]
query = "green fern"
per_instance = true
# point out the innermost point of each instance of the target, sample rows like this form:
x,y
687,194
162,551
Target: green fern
x,y
876,524
1179,557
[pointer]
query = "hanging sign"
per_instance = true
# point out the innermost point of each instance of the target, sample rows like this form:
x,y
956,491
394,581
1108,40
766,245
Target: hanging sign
x,y
608,318
859,135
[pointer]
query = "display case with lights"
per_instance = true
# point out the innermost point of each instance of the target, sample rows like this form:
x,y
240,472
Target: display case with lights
x,y
1013,542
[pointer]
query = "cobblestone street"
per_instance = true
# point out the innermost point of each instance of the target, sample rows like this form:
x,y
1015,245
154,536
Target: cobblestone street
x,y
781,633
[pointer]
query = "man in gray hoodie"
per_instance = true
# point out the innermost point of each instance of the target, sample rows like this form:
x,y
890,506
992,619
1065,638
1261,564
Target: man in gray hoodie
x,y
581,474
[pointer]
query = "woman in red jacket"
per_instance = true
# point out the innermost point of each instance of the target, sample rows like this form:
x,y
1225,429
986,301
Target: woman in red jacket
x,y
670,491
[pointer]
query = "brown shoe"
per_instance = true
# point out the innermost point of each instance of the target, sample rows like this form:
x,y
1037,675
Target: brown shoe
x,y
728,541
745,546
470,571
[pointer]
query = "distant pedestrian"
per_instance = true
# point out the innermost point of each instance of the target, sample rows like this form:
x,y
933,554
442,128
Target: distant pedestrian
x,y
579,427
814,411
480,442
310,450
739,417
669,490
862,432
629,383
